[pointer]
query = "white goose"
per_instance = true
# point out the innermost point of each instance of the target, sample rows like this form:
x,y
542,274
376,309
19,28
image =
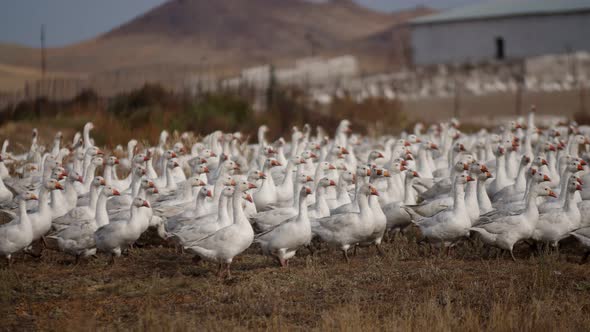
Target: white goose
x,y
283,240
267,193
554,225
18,234
115,236
228,242
209,224
77,238
347,229
85,211
503,229
41,219
450,225
267,219
345,179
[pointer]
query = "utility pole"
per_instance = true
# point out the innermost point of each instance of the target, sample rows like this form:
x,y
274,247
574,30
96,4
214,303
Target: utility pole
x,y
43,63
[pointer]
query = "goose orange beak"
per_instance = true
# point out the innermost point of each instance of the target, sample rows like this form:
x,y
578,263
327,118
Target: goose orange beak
x,y
252,186
580,167
484,168
103,182
546,178
209,193
205,169
552,194
145,204
543,162
415,174
374,191
80,179
308,179
551,147
469,178
332,183
434,146
155,190
202,183
578,187
116,192
59,186
465,167
248,197
308,191
580,181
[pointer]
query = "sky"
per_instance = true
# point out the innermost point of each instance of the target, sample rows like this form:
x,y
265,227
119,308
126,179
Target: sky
x,y
69,21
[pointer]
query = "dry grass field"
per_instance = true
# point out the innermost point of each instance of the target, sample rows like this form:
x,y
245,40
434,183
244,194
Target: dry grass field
x,y
155,289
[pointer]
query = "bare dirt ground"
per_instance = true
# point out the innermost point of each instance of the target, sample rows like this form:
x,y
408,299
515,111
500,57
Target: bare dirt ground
x,y
154,289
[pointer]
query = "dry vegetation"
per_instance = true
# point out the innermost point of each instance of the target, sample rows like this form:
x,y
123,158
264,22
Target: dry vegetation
x,y
144,112
156,289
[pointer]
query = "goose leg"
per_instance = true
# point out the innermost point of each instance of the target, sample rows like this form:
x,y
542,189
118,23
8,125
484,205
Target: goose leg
x,y
345,253
585,257
488,251
112,261
9,261
310,248
228,270
220,270
196,259
77,260
354,250
379,250
512,255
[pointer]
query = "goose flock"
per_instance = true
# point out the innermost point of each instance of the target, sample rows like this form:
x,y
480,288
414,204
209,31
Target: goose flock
x,y
216,196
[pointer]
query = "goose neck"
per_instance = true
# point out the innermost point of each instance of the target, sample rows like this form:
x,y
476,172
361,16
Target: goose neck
x,y
101,215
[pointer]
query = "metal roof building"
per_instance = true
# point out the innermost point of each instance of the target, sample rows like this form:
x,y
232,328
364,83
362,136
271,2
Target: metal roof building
x,y
501,29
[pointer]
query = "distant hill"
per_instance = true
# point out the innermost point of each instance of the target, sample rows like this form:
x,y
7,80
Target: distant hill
x,y
225,35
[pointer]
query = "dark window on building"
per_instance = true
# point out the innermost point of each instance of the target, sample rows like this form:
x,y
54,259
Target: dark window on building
x,y
500,48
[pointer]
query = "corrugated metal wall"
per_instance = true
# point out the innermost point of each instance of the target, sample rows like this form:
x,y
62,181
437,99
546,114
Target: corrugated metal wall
x,y
475,41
